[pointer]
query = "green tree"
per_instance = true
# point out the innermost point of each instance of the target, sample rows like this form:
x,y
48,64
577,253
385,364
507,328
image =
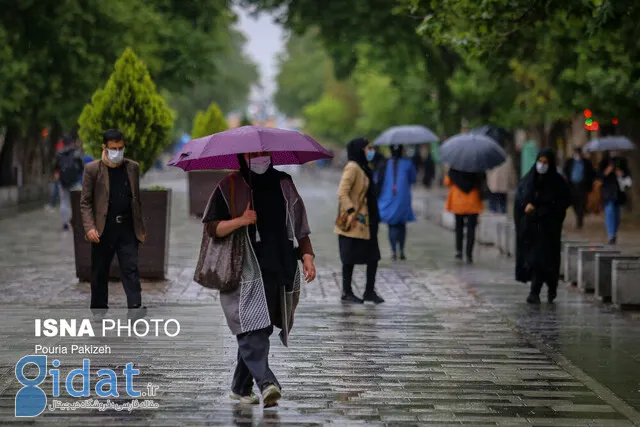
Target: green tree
x,y
130,102
209,122
303,70
230,85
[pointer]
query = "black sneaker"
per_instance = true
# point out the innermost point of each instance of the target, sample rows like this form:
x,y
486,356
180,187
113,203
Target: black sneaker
x,y
65,227
137,313
551,297
533,299
373,297
403,257
394,257
458,256
350,298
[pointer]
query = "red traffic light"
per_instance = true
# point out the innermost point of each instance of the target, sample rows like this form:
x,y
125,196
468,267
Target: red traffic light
x,y
595,126
588,113
615,121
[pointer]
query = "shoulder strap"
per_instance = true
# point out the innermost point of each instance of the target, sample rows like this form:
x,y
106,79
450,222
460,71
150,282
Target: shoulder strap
x,y
232,208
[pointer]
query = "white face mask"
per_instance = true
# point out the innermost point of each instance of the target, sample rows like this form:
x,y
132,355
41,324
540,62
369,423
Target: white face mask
x,y
542,168
260,165
115,156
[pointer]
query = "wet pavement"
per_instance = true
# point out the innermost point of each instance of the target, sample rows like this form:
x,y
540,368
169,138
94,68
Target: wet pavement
x,y
453,344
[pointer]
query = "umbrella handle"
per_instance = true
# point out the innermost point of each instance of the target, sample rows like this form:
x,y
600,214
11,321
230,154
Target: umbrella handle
x,y
252,202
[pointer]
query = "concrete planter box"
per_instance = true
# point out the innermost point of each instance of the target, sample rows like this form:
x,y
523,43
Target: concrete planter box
x,y
562,252
603,273
488,228
201,185
506,238
586,266
153,256
624,282
570,260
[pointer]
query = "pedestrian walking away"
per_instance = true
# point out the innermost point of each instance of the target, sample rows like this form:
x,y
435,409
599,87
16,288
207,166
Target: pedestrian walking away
x,y
429,169
500,181
614,174
358,235
580,174
393,186
541,203
261,207
465,202
68,169
112,219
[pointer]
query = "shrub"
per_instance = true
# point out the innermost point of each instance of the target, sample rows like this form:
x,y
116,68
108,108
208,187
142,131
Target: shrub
x,y
130,102
209,122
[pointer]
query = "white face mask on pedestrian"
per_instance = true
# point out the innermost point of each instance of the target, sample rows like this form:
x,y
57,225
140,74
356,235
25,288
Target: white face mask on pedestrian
x,y
115,156
259,165
542,168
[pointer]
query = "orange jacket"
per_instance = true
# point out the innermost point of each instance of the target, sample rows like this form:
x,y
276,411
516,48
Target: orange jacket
x,y
461,203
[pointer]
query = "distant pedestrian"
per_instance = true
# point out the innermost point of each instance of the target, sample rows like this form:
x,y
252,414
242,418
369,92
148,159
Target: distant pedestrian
x,y
112,218
541,203
55,193
465,201
500,181
68,169
613,171
417,158
263,207
580,174
358,241
429,169
394,183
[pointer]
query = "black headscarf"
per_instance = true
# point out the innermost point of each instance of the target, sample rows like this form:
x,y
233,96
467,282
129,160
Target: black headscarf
x,y
355,153
465,181
275,251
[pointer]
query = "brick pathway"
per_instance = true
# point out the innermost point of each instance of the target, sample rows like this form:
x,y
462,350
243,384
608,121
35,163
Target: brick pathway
x,y
452,346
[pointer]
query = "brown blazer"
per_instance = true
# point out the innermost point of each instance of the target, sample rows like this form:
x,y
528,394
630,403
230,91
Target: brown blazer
x,y
94,200
351,192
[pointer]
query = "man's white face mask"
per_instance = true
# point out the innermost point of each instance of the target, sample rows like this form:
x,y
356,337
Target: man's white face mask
x,y
115,156
260,165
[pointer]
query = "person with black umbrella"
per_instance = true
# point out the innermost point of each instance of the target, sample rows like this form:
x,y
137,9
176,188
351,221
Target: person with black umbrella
x,y
541,203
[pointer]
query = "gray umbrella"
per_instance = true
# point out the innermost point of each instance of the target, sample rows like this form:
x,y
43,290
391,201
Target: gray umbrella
x,y
472,152
408,134
609,143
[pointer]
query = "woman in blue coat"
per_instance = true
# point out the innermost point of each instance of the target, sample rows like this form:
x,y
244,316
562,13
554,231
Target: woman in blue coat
x,y
394,180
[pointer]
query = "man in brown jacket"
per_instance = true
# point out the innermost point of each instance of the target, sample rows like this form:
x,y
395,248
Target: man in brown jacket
x,y
112,218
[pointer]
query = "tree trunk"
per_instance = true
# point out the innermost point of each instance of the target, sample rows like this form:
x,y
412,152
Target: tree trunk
x,y
7,171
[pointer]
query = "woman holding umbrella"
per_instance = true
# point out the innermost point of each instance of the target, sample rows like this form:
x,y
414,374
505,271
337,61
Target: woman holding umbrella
x,y
269,205
394,182
613,171
465,202
358,238
541,203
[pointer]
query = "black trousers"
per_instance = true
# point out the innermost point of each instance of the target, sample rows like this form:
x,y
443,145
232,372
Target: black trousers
x,y
540,278
117,239
253,362
470,221
347,275
579,197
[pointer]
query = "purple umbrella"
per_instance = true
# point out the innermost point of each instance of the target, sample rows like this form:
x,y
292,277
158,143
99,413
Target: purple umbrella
x,y
220,150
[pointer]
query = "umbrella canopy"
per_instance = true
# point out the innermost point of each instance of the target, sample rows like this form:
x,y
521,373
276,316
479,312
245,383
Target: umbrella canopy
x,y
498,134
609,143
409,134
220,150
472,152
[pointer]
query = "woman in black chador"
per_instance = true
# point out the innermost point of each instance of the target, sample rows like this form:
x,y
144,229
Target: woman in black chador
x,y
541,204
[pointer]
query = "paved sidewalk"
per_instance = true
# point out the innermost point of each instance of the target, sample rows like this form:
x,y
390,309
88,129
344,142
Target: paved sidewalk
x,y
453,345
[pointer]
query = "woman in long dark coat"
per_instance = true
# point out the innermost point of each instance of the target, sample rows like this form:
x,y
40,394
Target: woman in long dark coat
x,y
263,204
357,197
541,204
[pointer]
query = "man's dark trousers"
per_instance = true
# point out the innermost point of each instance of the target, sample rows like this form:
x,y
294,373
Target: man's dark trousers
x,y
118,238
579,194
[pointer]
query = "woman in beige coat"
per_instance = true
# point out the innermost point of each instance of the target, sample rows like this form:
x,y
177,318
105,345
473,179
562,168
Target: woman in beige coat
x,y
359,245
